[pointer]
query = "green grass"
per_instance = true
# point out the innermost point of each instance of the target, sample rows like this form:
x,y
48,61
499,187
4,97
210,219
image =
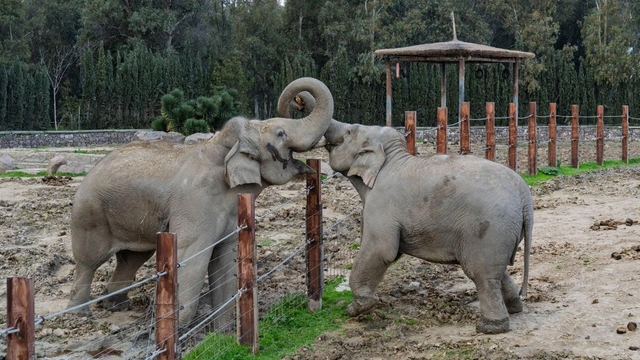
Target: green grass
x,y
92,152
13,174
284,331
547,173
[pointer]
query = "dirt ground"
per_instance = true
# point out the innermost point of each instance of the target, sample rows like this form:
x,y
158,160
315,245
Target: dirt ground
x,y
579,294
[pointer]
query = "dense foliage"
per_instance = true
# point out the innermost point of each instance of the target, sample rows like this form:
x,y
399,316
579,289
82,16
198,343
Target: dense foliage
x,y
82,64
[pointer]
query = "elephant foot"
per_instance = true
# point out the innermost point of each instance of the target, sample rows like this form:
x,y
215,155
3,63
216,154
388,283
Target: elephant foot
x,y
357,308
117,302
514,305
489,326
81,311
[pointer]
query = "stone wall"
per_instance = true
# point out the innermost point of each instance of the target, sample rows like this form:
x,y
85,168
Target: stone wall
x,y
34,139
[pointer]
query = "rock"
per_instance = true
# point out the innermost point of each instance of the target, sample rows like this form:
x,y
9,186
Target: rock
x,y
633,348
146,135
616,255
628,222
55,163
7,162
197,137
74,167
58,332
631,326
621,330
114,328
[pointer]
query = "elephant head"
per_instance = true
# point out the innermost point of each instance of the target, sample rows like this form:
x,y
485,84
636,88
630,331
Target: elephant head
x,y
354,150
262,151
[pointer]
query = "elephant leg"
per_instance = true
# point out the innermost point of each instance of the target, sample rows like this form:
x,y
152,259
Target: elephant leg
x,y
510,294
127,264
190,282
81,289
378,250
87,262
223,284
494,318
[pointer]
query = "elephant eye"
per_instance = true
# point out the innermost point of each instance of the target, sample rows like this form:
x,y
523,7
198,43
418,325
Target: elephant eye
x,y
281,133
348,132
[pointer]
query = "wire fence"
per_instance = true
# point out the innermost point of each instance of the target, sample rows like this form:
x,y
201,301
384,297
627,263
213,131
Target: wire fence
x,y
281,280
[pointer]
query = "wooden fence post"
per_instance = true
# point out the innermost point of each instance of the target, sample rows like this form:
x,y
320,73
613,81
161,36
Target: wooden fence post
x,y
166,299
533,144
441,141
315,249
21,316
247,303
553,146
513,137
464,129
625,133
490,151
600,135
410,131
575,136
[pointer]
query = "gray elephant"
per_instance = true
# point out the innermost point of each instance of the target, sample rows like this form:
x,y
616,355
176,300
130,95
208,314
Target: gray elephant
x,y
448,209
144,188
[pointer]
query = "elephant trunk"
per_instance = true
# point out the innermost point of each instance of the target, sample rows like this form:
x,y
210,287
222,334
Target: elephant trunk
x,y
304,133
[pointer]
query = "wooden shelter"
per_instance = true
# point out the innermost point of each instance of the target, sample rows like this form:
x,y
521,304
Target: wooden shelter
x,y
454,51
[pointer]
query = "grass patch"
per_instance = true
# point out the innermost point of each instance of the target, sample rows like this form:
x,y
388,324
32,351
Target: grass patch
x,y
91,152
282,332
547,173
13,174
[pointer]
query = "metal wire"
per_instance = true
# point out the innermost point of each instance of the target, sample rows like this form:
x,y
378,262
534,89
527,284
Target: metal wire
x,y
343,219
303,192
237,230
9,331
41,319
281,264
208,318
155,353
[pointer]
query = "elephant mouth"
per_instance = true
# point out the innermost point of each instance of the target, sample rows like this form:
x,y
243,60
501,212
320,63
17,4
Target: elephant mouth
x,y
300,166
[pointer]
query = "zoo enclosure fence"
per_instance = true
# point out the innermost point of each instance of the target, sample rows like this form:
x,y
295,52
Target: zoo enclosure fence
x,y
170,341
533,137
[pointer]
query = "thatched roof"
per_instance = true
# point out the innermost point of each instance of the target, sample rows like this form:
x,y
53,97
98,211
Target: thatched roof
x,y
453,51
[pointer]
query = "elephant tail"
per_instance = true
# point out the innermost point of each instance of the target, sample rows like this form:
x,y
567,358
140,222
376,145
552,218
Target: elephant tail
x,y
527,229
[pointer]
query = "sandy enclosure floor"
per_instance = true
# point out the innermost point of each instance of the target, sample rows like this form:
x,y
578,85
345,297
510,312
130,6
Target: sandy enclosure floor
x,y
578,293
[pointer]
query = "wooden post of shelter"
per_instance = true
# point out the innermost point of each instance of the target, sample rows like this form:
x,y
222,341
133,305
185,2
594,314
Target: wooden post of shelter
x,y
575,136
410,131
600,135
464,129
533,144
21,316
441,140
166,298
247,304
553,145
388,92
625,133
513,137
490,151
315,249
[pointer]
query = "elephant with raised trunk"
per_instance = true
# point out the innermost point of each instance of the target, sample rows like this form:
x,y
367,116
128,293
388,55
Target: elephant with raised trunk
x,y
191,190
450,209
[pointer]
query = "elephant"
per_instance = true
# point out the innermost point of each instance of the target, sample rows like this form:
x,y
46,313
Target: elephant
x,y
449,209
147,187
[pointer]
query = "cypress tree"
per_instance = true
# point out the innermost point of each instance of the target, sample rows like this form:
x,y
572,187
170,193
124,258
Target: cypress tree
x,y
4,80
89,90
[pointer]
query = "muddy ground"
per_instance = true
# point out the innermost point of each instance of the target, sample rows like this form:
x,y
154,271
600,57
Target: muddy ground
x,y
579,294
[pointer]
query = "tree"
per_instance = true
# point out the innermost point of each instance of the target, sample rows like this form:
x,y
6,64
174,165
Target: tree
x,y
56,67
608,42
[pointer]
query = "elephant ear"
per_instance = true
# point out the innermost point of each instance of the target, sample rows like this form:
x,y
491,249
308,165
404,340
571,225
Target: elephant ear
x,y
241,166
368,163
